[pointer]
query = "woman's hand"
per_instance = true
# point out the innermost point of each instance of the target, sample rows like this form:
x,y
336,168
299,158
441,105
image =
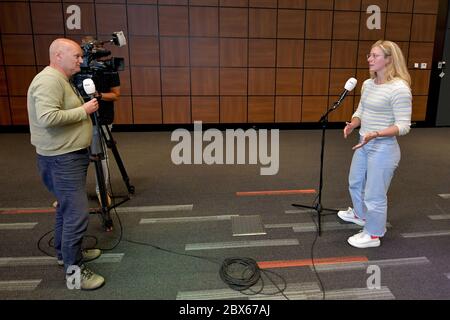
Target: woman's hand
x,y
367,137
348,129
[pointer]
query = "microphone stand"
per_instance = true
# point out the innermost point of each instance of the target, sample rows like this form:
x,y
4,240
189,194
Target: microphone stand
x,y
318,205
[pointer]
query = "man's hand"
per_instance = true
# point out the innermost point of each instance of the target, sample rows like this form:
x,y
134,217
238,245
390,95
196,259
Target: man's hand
x,y
91,106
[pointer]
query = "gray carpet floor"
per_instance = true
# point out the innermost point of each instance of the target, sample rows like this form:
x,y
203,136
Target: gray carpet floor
x,y
177,228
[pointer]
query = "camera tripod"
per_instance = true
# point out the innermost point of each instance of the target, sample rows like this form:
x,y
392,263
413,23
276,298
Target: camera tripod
x,y
102,136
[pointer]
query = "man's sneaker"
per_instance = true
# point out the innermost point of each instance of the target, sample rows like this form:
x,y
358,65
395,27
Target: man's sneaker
x,y
350,216
88,255
364,240
89,280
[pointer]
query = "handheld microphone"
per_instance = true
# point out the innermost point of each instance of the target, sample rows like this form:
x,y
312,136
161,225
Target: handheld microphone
x,y
89,87
349,86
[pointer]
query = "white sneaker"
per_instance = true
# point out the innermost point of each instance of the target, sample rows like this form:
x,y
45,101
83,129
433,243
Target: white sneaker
x,y
363,240
350,216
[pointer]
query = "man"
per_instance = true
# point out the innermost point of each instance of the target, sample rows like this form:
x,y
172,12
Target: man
x,y
61,131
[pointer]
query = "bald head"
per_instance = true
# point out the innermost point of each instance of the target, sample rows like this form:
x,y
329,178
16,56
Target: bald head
x,y
61,44
66,56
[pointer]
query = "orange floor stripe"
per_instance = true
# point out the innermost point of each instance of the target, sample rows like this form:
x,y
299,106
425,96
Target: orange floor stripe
x,y
308,262
21,211
274,192
29,211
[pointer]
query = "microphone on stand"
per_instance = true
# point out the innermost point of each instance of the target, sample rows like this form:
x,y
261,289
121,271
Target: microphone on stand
x,y
349,86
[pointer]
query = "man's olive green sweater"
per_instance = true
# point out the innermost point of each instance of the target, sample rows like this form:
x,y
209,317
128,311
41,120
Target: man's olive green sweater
x,y
58,123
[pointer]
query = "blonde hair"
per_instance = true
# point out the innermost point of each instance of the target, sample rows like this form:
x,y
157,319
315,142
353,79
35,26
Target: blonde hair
x,y
397,69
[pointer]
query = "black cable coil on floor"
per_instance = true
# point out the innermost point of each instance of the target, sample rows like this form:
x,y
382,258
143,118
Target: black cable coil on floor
x,y
240,273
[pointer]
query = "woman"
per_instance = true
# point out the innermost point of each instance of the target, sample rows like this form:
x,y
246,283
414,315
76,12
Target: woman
x,y
383,113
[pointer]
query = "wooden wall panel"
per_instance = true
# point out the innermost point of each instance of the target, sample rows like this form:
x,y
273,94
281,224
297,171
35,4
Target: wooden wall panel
x,y
204,52
315,81
383,4
203,22
41,45
143,20
261,81
233,22
398,26
233,52
344,54
5,113
292,4
353,5
173,21
429,6
222,61
420,52
233,109
19,112
288,109
262,53
174,51
110,18
423,28
346,25
262,23
205,81
420,81
317,53
19,79
175,81
18,49
3,84
47,18
176,110
289,81
146,81
401,6
313,108
206,109
233,81
147,110
144,51
15,18
419,108
290,53
123,111
291,24
261,109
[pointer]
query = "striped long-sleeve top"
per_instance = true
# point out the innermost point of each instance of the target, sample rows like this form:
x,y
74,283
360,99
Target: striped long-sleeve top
x,y
384,105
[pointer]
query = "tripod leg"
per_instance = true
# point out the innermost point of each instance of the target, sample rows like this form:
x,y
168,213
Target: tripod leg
x,y
107,221
111,144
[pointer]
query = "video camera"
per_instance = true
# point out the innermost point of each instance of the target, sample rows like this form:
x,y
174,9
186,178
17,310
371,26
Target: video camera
x,y
92,67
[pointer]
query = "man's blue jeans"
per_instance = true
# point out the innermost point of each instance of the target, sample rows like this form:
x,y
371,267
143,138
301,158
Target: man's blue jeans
x,y
65,176
371,172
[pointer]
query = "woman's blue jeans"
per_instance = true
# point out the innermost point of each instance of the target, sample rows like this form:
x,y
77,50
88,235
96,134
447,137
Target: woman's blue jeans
x,y
371,172
65,177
